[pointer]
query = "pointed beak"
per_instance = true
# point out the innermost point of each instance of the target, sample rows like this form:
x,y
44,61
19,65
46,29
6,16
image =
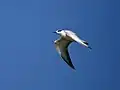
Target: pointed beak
x,y
54,32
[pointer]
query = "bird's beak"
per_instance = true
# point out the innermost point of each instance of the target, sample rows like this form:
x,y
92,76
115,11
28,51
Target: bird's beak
x,y
54,32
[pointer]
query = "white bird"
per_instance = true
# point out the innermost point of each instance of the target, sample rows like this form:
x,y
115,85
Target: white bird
x,y
61,44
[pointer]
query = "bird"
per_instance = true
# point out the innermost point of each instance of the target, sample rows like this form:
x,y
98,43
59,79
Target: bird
x,y
66,38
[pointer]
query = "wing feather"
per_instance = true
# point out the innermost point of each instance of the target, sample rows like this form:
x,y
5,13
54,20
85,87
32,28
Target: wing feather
x,y
61,46
73,36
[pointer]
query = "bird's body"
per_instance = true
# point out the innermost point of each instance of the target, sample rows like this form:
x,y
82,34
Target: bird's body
x,y
63,42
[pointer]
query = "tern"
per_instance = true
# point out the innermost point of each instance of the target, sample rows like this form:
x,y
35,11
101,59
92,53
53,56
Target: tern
x,y
66,38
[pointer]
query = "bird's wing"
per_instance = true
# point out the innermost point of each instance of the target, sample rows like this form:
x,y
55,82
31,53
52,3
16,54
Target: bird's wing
x,y
61,46
73,36
77,39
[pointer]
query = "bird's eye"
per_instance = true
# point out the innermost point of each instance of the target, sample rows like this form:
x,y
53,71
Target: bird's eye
x,y
59,30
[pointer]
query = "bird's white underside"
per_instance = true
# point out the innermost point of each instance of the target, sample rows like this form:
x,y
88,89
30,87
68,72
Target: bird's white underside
x,y
63,42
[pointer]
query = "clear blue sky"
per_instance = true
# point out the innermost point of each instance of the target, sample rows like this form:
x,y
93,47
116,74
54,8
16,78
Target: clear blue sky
x,y
28,58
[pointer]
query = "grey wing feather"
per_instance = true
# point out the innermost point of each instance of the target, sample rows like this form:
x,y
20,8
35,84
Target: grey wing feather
x,y
67,59
61,46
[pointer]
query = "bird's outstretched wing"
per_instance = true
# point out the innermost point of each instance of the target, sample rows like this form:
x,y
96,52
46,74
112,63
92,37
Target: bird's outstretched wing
x,y
77,39
73,36
62,48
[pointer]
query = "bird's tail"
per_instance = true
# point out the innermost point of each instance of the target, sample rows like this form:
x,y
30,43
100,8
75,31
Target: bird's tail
x,y
89,47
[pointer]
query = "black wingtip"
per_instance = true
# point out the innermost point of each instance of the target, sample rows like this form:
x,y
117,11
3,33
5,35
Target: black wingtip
x,y
70,64
73,67
68,60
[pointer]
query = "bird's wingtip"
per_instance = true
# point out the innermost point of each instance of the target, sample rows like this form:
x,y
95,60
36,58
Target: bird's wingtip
x,y
73,67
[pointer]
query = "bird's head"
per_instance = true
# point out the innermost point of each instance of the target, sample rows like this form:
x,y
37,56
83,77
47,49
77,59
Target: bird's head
x,y
60,32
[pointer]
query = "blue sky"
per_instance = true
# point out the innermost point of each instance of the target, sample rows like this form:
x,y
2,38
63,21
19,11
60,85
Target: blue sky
x,y
28,59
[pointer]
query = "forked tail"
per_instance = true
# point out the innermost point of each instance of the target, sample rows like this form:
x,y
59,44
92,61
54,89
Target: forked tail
x,y
89,47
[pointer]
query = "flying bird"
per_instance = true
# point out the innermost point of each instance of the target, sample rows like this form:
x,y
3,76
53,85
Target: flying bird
x,y
66,38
